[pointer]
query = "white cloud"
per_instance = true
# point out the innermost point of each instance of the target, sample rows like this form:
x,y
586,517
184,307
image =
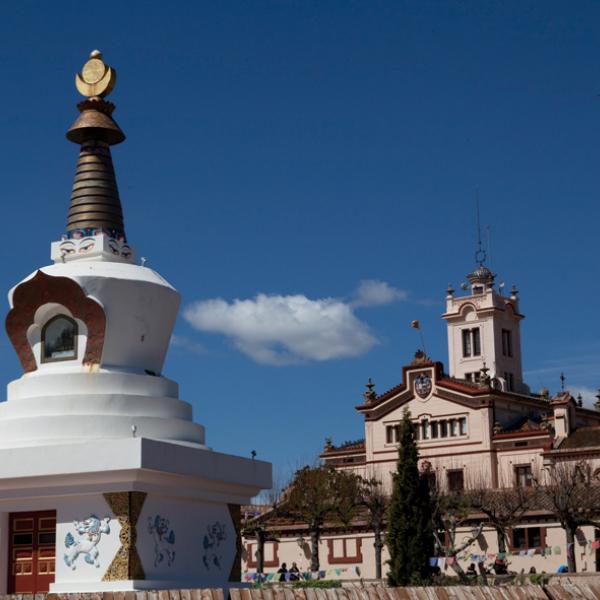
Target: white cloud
x,y
579,372
180,341
275,329
373,292
587,394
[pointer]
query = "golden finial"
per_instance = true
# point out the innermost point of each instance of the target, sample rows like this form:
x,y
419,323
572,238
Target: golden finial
x,y
97,79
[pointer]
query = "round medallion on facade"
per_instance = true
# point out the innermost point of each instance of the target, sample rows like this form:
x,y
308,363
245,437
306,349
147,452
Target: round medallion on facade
x,y
423,385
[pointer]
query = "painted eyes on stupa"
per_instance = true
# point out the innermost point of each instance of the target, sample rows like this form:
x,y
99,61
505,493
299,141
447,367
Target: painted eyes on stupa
x,y
67,248
86,245
83,246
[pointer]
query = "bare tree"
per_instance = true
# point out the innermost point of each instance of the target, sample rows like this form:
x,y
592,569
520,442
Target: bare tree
x,y
256,529
450,511
503,506
573,498
376,502
272,496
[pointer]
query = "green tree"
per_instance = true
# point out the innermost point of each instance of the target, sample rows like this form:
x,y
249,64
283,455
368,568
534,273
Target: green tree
x,y
410,533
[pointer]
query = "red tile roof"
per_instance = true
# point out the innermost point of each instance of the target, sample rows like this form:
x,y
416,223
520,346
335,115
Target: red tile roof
x,y
582,437
349,447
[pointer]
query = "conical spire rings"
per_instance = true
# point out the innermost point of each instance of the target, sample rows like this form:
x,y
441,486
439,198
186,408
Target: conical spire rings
x,y
95,199
95,203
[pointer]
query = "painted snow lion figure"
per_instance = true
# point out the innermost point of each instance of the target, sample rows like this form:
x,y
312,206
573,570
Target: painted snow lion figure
x,y
215,535
164,539
89,533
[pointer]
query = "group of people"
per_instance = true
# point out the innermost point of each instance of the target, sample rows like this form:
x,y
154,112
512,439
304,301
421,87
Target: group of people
x,y
292,575
499,567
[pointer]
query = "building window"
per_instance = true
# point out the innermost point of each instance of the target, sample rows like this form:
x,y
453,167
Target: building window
x,y
507,342
345,551
466,342
389,434
476,342
471,342
271,554
444,429
473,377
510,382
524,538
59,339
456,481
524,476
453,428
392,434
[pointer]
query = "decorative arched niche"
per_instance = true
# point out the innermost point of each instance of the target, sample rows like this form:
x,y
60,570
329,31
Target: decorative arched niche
x,y
468,312
43,298
59,338
56,336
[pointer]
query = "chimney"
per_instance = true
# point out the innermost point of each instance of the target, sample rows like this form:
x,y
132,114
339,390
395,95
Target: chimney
x,y
563,405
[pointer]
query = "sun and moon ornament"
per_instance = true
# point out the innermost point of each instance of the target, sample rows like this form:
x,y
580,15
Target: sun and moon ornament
x,y
97,79
95,82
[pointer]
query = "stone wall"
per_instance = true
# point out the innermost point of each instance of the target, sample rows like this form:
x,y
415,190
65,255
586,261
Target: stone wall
x,y
567,588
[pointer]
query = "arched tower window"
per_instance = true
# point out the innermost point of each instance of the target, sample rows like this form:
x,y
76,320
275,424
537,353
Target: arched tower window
x,y
59,339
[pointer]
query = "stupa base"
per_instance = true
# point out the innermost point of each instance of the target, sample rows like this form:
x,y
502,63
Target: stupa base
x,y
122,515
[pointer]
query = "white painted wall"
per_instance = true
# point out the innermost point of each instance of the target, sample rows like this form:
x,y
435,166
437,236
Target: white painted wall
x,y
288,551
201,555
140,307
205,542
69,510
67,400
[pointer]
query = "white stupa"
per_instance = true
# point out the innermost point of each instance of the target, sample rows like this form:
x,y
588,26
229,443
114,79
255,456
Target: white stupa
x,y
105,480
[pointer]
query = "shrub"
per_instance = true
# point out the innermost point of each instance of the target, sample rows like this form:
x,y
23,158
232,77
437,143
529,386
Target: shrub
x,y
318,583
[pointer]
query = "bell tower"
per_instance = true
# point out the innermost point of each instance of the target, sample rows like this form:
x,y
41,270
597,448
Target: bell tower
x,y
484,330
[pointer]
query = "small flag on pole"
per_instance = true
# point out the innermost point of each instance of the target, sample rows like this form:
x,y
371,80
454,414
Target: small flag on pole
x,y
416,325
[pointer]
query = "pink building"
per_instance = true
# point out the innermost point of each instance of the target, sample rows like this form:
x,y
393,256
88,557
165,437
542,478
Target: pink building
x,y
477,425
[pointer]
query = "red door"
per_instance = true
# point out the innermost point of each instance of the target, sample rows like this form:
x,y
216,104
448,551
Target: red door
x,y
31,552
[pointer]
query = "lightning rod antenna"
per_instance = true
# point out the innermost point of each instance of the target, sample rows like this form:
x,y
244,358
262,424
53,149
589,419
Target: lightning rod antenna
x,y
480,255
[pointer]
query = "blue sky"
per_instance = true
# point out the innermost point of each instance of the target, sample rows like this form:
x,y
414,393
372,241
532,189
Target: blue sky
x,y
281,153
